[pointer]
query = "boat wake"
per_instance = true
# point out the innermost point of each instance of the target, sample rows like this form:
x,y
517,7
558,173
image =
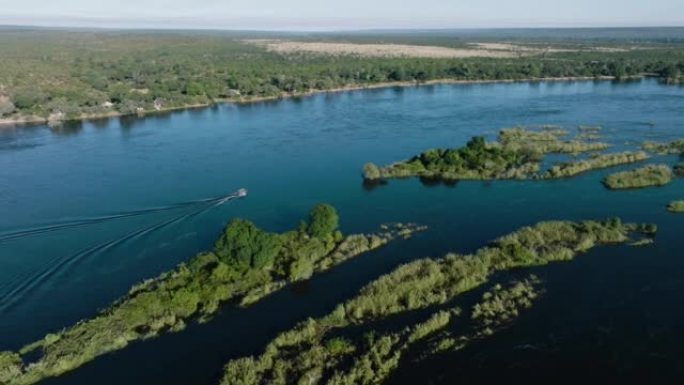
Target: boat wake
x,y
19,288
56,226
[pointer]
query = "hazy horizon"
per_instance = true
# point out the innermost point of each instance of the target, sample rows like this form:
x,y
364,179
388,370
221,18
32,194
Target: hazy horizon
x,y
310,15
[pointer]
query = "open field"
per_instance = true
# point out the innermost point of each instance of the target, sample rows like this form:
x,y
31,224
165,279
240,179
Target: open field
x,y
394,50
386,50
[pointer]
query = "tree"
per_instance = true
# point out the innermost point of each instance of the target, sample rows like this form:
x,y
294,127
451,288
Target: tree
x,y
245,244
323,221
27,98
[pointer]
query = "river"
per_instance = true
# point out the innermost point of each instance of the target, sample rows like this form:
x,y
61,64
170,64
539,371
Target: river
x,y
88,209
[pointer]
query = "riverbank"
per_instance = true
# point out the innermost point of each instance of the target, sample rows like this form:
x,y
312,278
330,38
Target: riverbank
x,y
35,120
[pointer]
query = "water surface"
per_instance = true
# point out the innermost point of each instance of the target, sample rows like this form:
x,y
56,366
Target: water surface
x,y
89,209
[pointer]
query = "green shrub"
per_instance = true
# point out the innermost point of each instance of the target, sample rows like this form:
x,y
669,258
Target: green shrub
x,y
323,221
245,244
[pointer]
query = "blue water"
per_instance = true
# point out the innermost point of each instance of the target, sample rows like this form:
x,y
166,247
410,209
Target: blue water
x,y
292,154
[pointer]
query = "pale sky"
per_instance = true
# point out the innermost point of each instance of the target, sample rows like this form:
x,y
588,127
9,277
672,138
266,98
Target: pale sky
x,y
342,14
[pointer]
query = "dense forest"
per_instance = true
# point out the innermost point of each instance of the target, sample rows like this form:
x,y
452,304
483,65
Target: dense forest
x,y
63,75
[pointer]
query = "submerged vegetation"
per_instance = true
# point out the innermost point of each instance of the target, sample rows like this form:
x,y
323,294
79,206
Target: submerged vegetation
x,y
676,207
246,264
647,176
323,351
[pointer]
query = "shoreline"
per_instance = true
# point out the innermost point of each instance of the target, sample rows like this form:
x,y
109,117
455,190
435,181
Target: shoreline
x,y
31,121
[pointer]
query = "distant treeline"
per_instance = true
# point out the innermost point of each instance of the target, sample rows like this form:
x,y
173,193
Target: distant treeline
x,y
72,75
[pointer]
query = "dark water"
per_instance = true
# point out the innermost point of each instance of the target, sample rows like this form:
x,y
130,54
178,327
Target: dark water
x,y
89,209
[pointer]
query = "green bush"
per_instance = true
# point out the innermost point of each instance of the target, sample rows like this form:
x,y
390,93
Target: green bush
x,y
323,221
243,243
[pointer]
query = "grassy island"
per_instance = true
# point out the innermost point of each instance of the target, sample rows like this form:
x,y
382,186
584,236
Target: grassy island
x,y
516,154
246,264
676,207
329,350
595,162
647,176
675,147
545,142
477,160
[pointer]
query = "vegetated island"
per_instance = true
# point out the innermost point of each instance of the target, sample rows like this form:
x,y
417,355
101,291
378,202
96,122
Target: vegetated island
x,y
329,350
516,154
647,176
245,265
676,207
674,147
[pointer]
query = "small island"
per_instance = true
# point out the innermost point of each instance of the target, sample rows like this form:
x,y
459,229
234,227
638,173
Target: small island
x,y
547,141
517,155
676,207
595,162
245,265
476,161
647,176
674,147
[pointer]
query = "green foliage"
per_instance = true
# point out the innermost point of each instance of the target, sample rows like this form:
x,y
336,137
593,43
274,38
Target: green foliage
x,y
500,305
568,169
323,221
675,147
339,346
371,171
516,154
244,244
476,160
647,176
546,141
6,106
10,366
676,207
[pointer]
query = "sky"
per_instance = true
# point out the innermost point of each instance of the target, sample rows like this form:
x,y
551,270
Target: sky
x,y
342,14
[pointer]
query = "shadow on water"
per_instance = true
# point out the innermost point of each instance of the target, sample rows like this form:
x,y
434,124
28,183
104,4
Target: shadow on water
x,y
428,181
68,128
372,184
